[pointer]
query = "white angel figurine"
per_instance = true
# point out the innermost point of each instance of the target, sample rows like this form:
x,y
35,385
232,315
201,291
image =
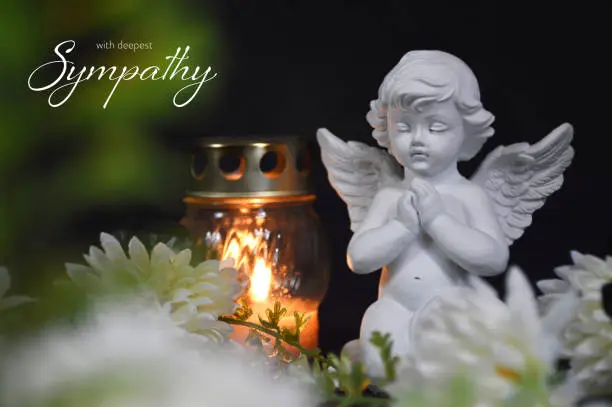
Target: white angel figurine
x,y
412,213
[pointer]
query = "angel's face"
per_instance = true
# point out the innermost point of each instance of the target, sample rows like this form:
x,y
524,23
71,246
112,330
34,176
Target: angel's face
x,y
427,140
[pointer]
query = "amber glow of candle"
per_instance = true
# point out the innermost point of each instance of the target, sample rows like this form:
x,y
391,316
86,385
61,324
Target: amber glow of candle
x,y
251,199
248,249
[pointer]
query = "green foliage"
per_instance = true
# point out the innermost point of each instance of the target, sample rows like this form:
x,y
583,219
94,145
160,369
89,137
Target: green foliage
x,y
338,379
268,330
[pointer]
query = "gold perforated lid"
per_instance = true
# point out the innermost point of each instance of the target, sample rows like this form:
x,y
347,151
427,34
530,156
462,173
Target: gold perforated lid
x,y
250,167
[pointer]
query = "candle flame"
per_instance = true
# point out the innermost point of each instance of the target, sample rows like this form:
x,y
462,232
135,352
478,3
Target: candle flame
x,y
232,251
248,251
260,281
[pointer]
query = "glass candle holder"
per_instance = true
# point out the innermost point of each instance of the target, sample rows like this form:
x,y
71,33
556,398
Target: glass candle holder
x,y
251,201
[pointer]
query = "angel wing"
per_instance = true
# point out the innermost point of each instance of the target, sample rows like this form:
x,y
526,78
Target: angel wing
x,y
356,171
520,177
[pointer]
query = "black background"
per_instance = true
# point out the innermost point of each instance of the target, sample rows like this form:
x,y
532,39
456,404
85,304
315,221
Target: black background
x,y
297,66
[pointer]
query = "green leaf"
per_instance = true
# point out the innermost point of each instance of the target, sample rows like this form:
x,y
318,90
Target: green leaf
x,y
243,312
357,380
390,362
266,324
274,315
289,336
323,378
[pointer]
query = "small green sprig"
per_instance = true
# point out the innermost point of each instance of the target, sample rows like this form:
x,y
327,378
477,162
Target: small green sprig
x,y
268,329
384,344
300,322
273,316
344,381
243,312
349,374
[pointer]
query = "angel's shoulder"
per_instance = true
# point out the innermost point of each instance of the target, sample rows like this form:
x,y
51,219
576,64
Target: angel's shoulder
x,y
390,191
470,194
386,197
383,206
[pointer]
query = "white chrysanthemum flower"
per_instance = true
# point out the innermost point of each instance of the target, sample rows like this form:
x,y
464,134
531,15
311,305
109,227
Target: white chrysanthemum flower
x,y
194,296
7,302
554,289
505,348
129,355
588,337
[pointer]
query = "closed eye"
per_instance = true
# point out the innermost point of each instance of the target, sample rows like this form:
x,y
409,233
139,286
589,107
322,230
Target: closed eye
x,y
402,127
437,127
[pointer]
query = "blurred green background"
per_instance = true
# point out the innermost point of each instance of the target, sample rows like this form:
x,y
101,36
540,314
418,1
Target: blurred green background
x,y
71,172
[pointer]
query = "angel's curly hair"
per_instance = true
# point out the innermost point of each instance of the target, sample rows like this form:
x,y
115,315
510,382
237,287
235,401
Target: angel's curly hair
x,y
423,77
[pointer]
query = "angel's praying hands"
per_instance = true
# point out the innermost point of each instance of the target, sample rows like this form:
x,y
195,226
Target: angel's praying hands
x,y
407,213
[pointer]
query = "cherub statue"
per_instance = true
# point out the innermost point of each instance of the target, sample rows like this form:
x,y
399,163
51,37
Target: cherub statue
x,y
412,213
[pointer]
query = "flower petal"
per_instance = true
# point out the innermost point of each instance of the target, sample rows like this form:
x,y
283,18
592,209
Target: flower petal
x,y
112,247
576,256
138,254
553,286
593,296
182,258
521,302
82,275
482,287
564,271
182,294
603,365
98,260
206,267
202,302
590,346
161,254
555,321
206,287
593,264
585,280
508,356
